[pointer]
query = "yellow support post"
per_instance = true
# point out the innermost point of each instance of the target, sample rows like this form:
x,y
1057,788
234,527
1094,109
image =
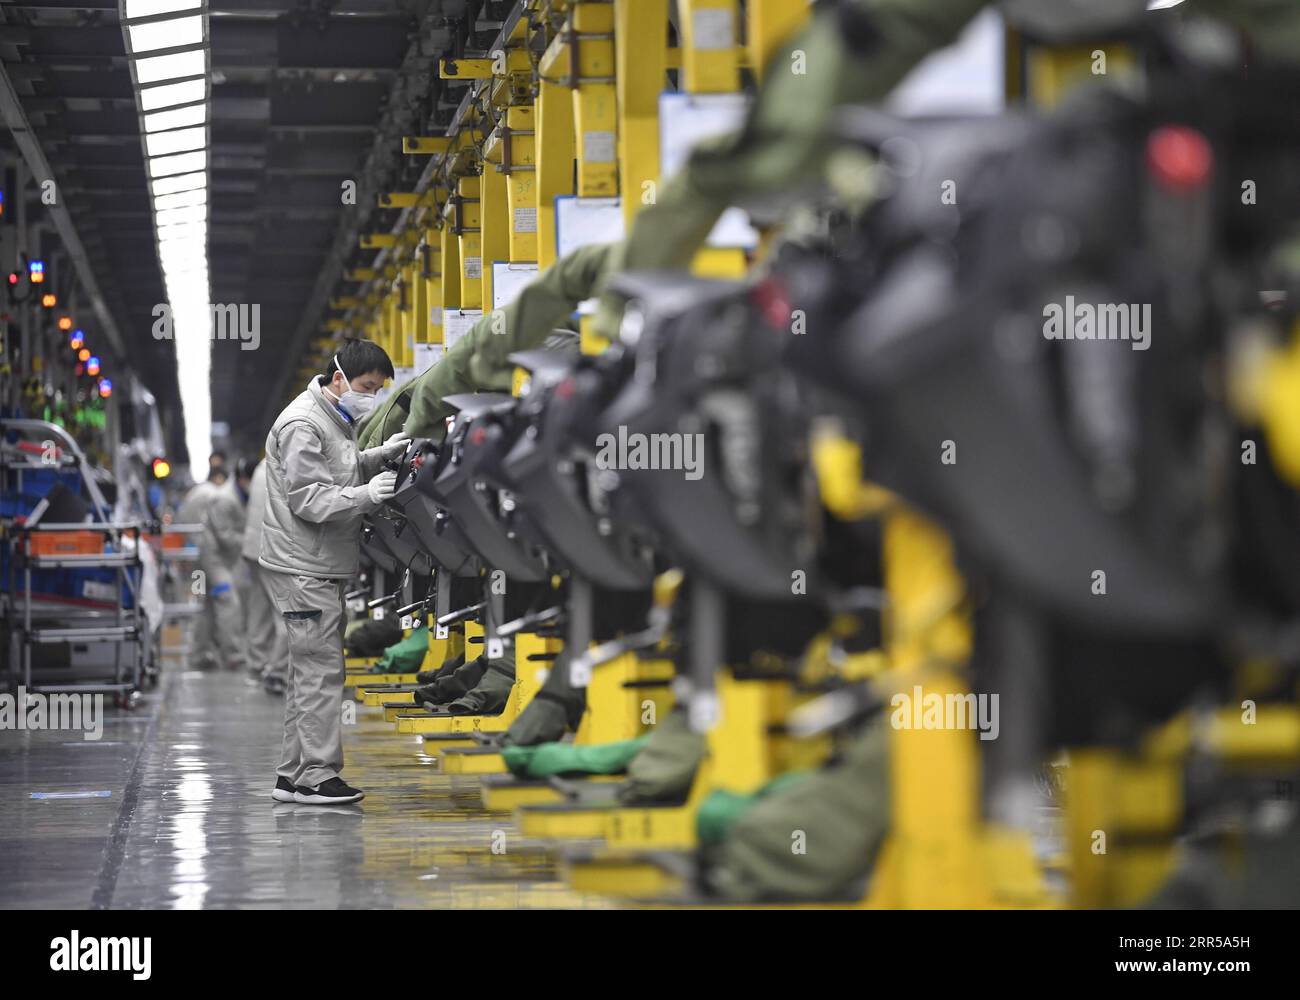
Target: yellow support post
x,y
519,165
466,220
641,59
555,153
595,102
710,58
404,199
450,259
770,23
424,145
408,315
494,227
433,284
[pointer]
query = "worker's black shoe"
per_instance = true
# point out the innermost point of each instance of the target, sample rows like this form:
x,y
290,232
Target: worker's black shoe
x,y
273,684
284,790
334,792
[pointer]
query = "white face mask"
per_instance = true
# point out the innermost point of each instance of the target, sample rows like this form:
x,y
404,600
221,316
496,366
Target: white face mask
x,y
358,404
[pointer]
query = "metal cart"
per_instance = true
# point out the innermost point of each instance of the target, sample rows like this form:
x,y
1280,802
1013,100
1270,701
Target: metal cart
x,y
109,650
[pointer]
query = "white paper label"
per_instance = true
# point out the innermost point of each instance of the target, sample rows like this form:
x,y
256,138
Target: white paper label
x,y
580,221
456,323
713,30
441,631
427,355
406,622
94,590
508,280
377,614
525,220
357,604
473,267
598,147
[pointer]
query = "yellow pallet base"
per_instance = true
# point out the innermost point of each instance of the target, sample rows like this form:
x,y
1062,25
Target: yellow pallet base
x,y
438,724
391,712
434,745
628,878
506,796
376,699
361,680
654,828
471,760
562,823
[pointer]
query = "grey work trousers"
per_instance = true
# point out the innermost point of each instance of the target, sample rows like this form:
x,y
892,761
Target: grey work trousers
x,y
314,615
268,642
219,626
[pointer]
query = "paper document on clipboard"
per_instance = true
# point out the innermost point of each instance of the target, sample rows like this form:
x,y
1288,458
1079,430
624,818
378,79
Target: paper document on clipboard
x,y
582,221
426,356
456,323
508,280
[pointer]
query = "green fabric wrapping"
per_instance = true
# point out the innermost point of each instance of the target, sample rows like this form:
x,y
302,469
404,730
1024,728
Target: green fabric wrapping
x,y
406,656
548,759
815,838
784,144
664,769
721,808
387,418
556,709
477,362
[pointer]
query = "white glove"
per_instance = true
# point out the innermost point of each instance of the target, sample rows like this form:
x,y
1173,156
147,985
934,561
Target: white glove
x,y
383,486
395,446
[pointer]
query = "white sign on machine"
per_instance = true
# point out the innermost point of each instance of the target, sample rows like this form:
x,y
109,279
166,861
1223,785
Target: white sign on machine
x,y
582,221
456,323
508,280
426,356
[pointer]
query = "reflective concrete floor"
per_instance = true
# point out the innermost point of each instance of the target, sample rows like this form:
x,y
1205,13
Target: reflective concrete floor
x,y
188,821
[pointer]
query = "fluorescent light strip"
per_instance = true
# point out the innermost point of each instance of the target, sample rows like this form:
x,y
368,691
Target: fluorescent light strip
x,y
149,8
161,121
181,199
172,94
181,163
171,34
169,218
181,140
168,94
155,69
180,182
191,245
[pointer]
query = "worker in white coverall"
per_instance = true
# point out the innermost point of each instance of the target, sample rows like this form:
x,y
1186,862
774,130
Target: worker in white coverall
x,y
268,641
217,508
318,487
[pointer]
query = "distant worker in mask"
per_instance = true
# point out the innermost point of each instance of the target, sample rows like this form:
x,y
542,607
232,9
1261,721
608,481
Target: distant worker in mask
x,y
318,487
268,642
217,508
